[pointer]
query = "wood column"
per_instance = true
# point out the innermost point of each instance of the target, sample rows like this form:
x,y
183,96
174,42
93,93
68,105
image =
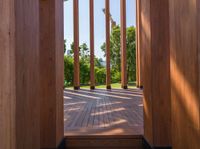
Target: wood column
x,y
19,75
138,50
124,82
185,73
76,45
51,73
92,72
108,75
154,46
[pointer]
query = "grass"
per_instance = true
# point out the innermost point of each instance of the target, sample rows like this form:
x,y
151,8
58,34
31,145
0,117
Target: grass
x,y
113,85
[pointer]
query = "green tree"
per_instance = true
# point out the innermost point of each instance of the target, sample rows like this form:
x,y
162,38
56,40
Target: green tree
x,y
68,70
65,47
84,64
115,53
131,53
100,73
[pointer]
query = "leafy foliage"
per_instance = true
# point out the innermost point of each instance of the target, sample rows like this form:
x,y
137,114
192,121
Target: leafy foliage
x,y
100,70
116,52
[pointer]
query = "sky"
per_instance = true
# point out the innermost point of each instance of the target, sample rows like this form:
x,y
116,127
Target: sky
x,y
99,21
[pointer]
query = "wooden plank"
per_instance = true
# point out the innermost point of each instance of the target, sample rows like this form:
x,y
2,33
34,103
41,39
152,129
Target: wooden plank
x,y
87,116
106,116
92,72
96,120
103,115
145,38
7,75
19,77
27,122
198,40
59,38
160,61
156,71
124,81
106,142
107,20
138,42
51,69
184,73
76,45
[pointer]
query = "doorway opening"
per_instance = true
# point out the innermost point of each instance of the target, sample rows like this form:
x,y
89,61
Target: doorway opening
x,y
97,110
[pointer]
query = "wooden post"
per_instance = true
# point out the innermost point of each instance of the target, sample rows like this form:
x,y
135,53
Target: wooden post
x,y
19,75
108,76
138,50
76,45
92,73
123,44
156,72
51,73
185,73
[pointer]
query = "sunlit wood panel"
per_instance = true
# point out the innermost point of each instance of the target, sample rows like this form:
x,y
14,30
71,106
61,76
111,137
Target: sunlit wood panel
x,y
184,60
155,61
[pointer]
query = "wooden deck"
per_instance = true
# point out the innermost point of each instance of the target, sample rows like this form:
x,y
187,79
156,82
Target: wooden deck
x,y
103,112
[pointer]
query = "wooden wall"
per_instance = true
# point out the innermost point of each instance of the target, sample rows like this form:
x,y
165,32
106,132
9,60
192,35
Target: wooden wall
x,y
19,77
160,64
185,73
52,71
154,46
7,76
145,48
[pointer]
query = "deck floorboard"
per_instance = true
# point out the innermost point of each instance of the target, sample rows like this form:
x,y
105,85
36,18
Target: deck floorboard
x,y
103,112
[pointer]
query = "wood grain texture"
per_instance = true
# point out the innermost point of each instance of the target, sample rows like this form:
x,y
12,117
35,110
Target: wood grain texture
x,y
19,77
145,48
51,71
184,40
27,74
105,142
156,71
103,112
59,19
124,81
107,25
92,56
138,42
160,73
76,44
198,25
7,75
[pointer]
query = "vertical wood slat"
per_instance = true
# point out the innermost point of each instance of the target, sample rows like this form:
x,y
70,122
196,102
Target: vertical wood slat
x,y
138,50
156,71
51,73
76,45
7,75
160,60
59,39
108,75
185,64
19,75
145,48
47,69
123,44
27,74
198,24
92,73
